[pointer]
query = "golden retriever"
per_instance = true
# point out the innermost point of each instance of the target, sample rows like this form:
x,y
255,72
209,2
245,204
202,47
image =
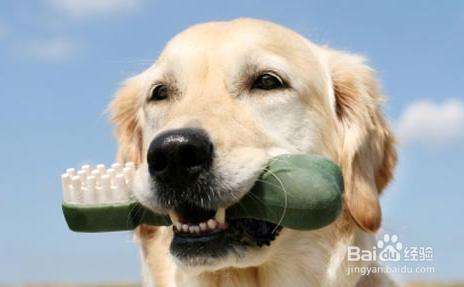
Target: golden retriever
x,y
203,121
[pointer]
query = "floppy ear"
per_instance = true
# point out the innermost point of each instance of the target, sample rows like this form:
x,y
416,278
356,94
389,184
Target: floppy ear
x,y
123,109
367,153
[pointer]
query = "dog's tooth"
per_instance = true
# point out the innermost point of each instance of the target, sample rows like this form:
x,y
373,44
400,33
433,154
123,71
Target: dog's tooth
x,y
212,224
185,227
173,216
203,226
192,229
179,226
220,215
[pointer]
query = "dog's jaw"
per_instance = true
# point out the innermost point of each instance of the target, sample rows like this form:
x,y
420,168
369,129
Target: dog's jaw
x,y
316,258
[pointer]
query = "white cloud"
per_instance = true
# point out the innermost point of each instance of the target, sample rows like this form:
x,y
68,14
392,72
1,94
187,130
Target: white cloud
x,y
432,123
84,8
54,49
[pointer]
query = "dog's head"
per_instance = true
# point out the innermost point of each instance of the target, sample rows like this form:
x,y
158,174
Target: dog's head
x,y
219,103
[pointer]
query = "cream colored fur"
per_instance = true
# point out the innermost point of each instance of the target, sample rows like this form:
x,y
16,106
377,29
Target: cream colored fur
x,y
333,108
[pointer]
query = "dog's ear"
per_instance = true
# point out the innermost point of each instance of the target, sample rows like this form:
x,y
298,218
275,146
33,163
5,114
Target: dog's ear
x,y
367,153
124,110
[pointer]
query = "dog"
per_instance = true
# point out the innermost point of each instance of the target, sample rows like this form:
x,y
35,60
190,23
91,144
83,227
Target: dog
x,y
202,122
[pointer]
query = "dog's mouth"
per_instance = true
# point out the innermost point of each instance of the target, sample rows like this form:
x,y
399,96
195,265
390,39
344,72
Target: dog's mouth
x,y
204,233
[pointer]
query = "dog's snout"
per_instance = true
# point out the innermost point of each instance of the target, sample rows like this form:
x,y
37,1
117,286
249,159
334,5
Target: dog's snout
x,y
179,155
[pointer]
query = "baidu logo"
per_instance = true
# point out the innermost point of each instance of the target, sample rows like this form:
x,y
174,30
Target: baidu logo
x,y
390,249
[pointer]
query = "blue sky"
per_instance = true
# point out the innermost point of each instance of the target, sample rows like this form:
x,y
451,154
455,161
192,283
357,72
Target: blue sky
x,y
61,61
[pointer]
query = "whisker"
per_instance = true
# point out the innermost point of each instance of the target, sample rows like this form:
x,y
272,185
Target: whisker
x,y
285,197
129,214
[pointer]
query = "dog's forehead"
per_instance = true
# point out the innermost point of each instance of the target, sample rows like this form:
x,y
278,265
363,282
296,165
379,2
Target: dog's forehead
x,y
235,39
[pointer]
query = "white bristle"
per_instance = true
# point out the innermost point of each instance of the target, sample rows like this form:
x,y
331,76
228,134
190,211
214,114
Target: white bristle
x,y
65,182
95,173
126,171
127,175
82,175
76,194
129,171
111,172
105,195
117,167
99,185
86,168
121,191
71,172
101,169
90,195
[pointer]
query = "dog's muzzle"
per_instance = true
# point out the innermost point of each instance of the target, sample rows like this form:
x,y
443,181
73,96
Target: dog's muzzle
x,y
180,165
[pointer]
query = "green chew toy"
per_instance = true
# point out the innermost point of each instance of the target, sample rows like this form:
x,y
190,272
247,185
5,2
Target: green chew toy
x,y
297,191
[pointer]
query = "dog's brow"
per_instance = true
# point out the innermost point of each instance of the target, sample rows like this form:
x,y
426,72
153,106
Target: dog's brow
x,y
265,63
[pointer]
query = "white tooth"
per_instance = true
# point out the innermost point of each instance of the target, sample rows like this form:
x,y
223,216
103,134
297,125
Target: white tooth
x,y
192,229
203,226
220,215
185,227
178,226
196,229
212,224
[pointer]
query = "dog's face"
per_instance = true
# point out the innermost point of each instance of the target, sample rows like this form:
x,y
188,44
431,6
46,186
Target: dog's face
x,y
218,104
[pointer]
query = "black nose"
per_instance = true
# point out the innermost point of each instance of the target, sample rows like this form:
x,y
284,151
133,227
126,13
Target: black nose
x,y
179,155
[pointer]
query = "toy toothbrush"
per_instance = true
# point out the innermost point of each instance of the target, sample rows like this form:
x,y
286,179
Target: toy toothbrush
x,y
296,191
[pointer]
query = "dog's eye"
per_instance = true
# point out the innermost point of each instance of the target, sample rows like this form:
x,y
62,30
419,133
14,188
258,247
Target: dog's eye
x,y
159,93
267,82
